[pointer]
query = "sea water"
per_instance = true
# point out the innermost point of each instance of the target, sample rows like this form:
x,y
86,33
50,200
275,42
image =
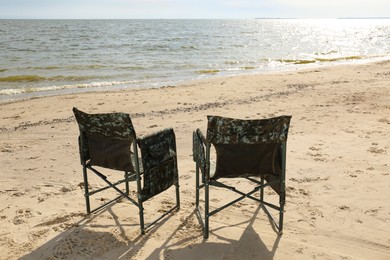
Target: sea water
x,y
44,57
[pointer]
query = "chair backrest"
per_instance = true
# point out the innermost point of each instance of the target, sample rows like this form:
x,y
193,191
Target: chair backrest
x,y
247,147
106,139
159,162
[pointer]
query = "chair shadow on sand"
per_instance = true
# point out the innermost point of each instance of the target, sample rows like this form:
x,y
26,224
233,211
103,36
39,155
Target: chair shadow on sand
x,y
82,242
248,246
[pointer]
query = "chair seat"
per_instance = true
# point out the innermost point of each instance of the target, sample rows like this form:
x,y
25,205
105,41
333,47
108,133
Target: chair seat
x,y
131,174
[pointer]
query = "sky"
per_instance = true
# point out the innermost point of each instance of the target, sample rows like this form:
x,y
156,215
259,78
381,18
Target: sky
x,y
191,9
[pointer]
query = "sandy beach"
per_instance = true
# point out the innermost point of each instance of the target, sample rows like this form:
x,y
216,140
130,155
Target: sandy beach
x,y
338,174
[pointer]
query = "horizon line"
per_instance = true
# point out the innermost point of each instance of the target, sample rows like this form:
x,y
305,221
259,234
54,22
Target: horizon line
x,y
257,18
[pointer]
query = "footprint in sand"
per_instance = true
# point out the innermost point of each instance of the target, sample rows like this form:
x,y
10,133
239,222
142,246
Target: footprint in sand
x,y
376,150
166,205
309,179
65,248
186,176
21,215
86,244
315,152
372,212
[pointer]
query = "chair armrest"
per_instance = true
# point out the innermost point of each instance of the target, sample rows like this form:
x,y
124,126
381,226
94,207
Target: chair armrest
x,y
157,147
200,144
205,141
159,159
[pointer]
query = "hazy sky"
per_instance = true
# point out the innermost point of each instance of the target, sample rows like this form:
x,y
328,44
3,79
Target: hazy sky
x,y
131,9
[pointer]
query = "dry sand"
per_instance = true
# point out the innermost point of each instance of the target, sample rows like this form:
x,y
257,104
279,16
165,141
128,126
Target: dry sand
x,y
338,174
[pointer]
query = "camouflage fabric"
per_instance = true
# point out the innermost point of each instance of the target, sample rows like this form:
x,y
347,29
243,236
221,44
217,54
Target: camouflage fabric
x,y
110,125
248,148
222,130
105,139
159,161
198,151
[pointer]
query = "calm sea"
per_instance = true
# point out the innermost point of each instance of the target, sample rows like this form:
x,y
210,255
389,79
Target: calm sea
x,y
43,57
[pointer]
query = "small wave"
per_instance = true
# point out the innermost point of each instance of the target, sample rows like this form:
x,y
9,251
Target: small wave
x,y
40,68
339,59
185,66
240,45
25,50
69,67
298,61
139,67
248,67
50,68
22,78
231,62
90,66
70,78
325,53
188,47
211,71
37,78
63,87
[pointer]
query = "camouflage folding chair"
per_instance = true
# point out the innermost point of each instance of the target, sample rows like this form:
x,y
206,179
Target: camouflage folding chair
x,y
108,141
244,149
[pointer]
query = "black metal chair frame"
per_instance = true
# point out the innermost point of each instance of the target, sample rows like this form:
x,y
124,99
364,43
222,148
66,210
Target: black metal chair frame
x,y
201,156
129,176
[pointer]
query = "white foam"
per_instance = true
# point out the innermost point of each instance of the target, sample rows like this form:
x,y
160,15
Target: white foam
x,y
63,87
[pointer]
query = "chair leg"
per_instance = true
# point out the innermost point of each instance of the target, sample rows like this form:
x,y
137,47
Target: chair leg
x,y
281,212
86,190
197,186
282,200
177,194
282,196
127,183
262,189
206,215
141,217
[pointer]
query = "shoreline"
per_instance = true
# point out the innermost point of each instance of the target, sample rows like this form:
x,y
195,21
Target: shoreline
x,y
6,98
337,170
